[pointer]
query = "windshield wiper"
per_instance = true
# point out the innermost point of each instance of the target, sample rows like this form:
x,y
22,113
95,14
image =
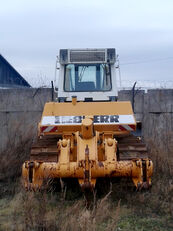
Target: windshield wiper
x,y
82,73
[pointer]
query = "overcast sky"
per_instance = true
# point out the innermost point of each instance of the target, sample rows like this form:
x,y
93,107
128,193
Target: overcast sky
x,y
32,32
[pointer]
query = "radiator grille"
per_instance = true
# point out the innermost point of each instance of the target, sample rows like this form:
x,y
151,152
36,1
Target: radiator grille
x,y
87,56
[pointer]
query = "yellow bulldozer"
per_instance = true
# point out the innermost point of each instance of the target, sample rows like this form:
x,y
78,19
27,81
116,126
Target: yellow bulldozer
x,y
87,133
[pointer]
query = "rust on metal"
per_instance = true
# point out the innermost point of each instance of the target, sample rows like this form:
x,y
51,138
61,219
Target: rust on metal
x,y
88,152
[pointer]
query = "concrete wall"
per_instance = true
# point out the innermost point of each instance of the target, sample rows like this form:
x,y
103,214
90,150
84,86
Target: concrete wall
x,y
155,110
21,109
158,118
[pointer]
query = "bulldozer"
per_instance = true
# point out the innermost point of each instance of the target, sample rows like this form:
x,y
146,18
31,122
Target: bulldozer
x,y
86,133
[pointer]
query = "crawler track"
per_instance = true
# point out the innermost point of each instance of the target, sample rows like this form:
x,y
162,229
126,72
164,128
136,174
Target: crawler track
x,y
45,149
131,147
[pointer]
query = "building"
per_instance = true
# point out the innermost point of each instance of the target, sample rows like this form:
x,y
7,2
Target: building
x,y
9,77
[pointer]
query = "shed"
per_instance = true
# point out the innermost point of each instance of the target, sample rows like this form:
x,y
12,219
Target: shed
x,y
9,77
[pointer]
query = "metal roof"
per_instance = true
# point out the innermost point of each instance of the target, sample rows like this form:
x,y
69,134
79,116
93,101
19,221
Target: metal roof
x,y
9,77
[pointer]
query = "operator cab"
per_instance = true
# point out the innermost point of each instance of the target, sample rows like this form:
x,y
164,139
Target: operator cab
x,y
87,74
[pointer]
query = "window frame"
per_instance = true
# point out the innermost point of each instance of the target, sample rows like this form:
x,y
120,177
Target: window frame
x,y
87,64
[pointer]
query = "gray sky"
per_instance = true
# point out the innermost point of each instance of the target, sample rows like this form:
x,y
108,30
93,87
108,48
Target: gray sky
x,y
32,32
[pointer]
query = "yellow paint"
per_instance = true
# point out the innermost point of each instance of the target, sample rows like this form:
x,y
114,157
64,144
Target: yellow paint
x,y
87,151
87,108
83,162
87,128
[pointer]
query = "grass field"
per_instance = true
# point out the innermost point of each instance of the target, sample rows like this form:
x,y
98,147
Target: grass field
x,y
122,208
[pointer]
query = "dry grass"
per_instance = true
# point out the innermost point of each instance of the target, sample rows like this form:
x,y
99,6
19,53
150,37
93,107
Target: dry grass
x,y
17,151
48,212
42,211
12,159
148,210
162,189
159,199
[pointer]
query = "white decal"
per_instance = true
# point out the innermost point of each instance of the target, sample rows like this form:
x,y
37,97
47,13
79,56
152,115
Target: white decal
x,y
98,119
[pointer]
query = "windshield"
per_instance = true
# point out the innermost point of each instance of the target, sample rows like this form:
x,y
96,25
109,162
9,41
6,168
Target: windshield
x,y
87,77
